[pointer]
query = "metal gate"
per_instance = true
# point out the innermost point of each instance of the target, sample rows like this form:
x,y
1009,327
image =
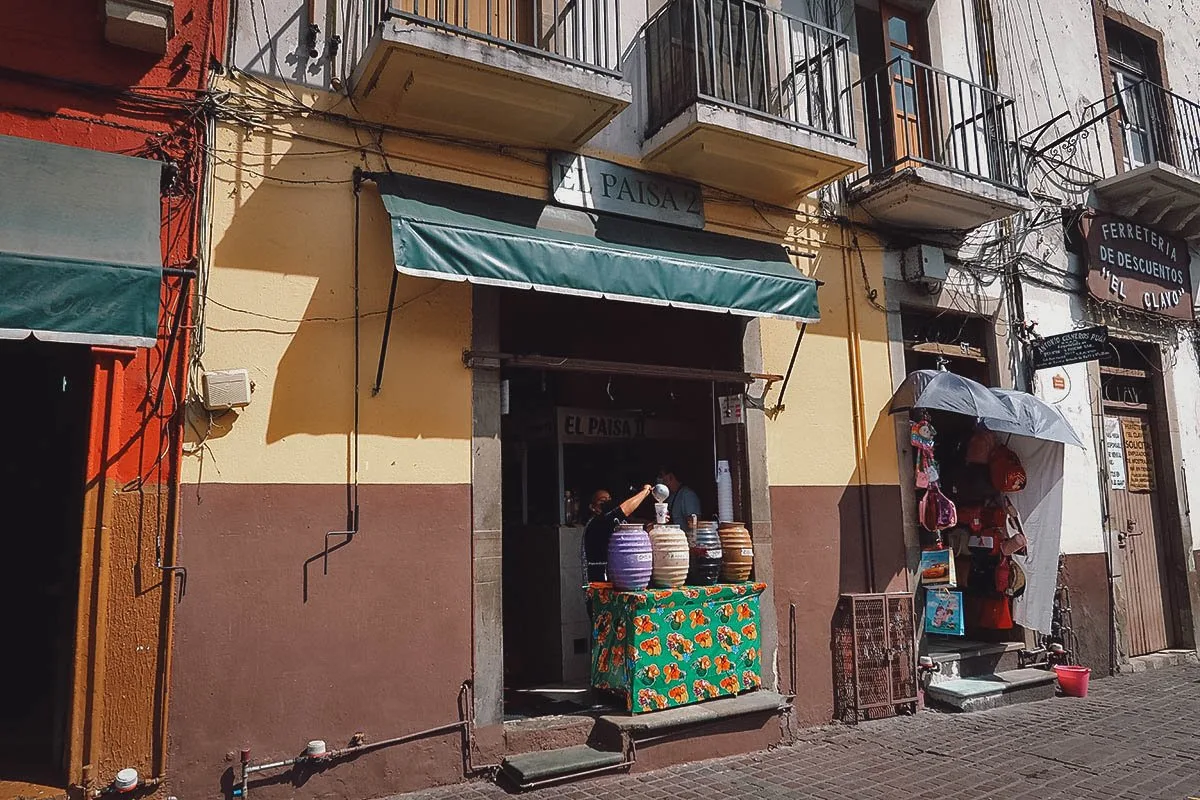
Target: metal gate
x,y
874,654
1135,520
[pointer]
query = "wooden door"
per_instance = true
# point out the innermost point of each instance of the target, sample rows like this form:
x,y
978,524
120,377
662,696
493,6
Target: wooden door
x,y
1135,519
903,44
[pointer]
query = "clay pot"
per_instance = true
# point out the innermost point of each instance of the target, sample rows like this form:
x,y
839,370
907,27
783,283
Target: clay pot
x,y
670,547
737,552
705,566
630,558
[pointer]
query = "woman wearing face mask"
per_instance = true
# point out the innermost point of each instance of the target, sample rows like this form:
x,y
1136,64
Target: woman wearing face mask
x,y
606,515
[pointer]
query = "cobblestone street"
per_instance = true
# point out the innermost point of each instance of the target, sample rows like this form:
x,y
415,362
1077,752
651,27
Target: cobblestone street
x,y
1135,736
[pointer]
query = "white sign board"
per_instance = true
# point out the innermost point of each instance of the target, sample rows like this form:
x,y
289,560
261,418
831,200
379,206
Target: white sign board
x,y
1114,447
598,185
733,409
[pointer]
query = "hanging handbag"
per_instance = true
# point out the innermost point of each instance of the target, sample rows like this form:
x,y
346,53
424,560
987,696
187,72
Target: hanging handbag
x,y
944,612
938,568
1007,473
980,446
1016,541
937,511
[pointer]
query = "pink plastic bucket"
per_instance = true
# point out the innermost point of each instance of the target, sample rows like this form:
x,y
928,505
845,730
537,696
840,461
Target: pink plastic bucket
x,y
1073,680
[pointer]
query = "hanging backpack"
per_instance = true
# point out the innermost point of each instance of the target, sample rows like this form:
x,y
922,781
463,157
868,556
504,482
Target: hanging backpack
x,y
1006,471
980,446
937,511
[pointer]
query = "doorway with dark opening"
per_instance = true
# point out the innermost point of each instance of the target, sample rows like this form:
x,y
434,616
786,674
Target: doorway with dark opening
x,y
990,640
597,415
46,405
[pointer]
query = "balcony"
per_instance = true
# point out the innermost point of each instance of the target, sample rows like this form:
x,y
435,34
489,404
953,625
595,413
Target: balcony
x,y
1159,152
942,150
747,99
534,73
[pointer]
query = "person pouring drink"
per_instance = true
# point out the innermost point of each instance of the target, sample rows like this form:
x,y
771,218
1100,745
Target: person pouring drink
x,y
606,515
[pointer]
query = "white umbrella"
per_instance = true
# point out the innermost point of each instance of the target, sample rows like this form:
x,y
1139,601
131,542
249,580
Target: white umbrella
x,y
939,390
1035,418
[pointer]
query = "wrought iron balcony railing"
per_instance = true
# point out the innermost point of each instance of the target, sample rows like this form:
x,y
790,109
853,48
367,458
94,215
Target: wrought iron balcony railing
x,y
1158,125
917,115
751,58
581,32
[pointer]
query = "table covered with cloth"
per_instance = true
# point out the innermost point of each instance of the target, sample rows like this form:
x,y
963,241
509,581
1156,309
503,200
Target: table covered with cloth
x,y
664,648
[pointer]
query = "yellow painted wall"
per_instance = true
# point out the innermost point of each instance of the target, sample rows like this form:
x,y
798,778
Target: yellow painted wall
x,y
281,304
843,365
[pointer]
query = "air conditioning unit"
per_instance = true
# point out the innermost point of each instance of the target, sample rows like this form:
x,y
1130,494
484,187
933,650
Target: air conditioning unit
x,y
225,389
923,263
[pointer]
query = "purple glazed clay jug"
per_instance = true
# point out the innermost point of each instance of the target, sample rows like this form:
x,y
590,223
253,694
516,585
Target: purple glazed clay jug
x,y
630,558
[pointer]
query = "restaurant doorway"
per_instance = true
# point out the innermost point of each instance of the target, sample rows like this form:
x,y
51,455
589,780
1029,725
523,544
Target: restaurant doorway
x,y
596,395
46,405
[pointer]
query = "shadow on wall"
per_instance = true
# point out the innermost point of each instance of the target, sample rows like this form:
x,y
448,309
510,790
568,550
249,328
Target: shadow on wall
x,y
282,298
819,533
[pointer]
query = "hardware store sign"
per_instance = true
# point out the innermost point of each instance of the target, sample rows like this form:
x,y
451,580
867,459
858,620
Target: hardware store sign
x,y
1137,266
597,185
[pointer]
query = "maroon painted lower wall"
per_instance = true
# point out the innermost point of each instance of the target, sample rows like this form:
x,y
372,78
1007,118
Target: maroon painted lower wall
x,y
270,652
817,538
1086,577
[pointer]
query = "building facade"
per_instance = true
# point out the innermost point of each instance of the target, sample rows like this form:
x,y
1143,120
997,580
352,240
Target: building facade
x,y
1113,149
369,536
455,268
100,186
375,529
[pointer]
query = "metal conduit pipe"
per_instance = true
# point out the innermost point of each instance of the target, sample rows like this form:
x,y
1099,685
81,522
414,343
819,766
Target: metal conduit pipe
x,y
358,747
331,756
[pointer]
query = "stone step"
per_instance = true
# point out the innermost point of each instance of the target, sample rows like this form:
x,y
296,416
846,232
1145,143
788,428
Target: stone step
x,y
973,659
982,692
547,733
759,702
527,769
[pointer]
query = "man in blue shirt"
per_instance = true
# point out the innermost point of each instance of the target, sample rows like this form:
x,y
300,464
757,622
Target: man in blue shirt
x,y
683,503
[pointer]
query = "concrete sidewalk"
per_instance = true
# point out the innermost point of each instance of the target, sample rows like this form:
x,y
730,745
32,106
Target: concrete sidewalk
x,y
1134,736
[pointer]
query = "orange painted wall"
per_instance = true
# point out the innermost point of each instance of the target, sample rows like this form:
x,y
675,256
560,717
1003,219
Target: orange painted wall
x,y
62,82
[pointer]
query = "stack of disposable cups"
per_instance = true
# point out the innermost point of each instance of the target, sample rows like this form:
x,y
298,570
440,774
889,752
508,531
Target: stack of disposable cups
x,y
724,493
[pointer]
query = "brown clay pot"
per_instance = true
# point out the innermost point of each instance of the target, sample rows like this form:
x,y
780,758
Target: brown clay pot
x,y
737,553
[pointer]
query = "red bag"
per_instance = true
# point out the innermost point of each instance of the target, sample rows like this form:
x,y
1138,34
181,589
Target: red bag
x,y
1003,575
937,511
972,517
1007,473
980,446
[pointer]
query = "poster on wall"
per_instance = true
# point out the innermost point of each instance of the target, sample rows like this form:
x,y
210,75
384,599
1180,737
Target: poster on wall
x,y
1140,477
1137,266
1114,447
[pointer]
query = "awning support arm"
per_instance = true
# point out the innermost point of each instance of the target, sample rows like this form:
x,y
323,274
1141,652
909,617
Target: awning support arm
x,y
480,360
387,332
779,406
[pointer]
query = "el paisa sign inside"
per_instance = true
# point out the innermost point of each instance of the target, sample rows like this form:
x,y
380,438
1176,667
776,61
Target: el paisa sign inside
x,y
1137,266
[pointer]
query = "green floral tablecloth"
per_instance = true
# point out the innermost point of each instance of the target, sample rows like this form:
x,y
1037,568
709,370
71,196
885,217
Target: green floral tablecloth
x,y
670,647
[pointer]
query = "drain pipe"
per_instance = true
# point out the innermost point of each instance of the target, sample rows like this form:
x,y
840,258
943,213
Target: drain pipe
x,y
316,755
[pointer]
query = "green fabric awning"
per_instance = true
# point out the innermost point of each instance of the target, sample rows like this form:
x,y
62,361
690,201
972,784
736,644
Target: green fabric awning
x,y
80,259
451,232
